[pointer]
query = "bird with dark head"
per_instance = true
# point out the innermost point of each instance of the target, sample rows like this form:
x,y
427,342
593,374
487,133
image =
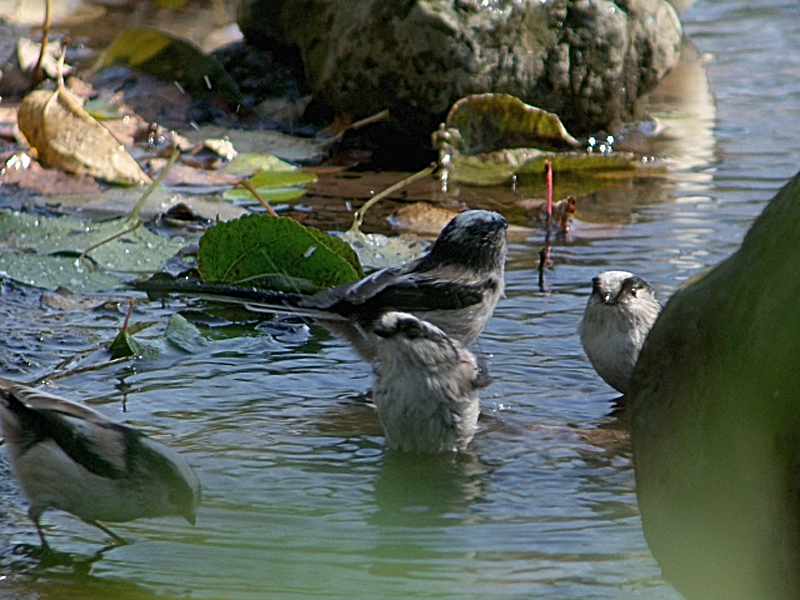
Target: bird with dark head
x,y
617,318
69,457
426,386
455,286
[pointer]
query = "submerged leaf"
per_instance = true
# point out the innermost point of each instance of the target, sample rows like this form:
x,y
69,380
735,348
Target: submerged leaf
x,y
44,251
137,251
184,335
275,252
64,135
53,272
378,251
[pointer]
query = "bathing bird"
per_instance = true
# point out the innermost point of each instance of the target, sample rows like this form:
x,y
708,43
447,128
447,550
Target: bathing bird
x,y
426,386
455,286
620,312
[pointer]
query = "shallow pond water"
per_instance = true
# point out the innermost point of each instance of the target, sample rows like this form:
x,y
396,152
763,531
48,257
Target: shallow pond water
x,y
300,498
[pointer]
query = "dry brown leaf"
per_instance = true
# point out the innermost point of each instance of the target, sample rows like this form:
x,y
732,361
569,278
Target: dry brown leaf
x,y
563,210
422,218
188,175
47,181
64,135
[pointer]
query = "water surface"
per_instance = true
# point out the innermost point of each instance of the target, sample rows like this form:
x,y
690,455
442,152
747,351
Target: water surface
x,y
300,498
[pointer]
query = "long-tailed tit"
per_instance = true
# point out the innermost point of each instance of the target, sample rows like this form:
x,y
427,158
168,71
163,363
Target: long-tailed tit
x,y
69,457
426,387
455,286
618,316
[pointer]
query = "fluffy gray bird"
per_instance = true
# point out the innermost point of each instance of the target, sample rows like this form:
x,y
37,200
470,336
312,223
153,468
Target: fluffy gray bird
x,y
455,286
426,387
617,318
69,457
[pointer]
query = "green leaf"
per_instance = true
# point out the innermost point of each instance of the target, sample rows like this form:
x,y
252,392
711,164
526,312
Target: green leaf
x,y
275,252
279,185
247,163
125,344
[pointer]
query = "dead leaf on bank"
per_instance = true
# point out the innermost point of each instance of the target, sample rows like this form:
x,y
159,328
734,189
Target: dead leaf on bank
x,y
64,135
31,175
187,175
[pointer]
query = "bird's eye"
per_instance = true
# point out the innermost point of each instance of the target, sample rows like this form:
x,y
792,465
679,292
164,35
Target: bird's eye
x,y
413,332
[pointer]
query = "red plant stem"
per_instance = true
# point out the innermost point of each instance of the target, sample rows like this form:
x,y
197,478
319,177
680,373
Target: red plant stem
x,y
548,180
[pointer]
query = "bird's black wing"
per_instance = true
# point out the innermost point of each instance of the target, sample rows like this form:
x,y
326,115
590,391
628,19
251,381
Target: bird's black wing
x,y
420,293
72,434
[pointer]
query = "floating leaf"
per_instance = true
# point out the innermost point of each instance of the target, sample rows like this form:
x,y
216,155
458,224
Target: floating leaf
x,y
275,252
171,59
499,167
64,135
586,163
488,122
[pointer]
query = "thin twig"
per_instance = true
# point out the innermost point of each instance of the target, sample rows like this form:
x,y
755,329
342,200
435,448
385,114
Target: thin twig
x,y
358,218
111,238
39,70
84,369
248,185
136,209
133,220
384,114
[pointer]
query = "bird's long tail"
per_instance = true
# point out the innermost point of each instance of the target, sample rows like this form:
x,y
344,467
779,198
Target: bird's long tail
x,y
253,298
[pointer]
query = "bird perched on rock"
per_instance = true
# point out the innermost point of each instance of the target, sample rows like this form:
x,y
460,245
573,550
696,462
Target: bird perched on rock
x,y
69,457
426,388
455,286
617,318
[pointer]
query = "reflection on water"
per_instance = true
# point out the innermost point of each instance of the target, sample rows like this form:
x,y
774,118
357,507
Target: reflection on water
x,y
301,500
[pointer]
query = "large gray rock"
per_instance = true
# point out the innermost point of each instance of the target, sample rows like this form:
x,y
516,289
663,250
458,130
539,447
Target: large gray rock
x,y
587,60
715,420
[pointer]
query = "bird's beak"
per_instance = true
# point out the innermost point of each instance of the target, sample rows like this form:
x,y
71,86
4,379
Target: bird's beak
x,y
382,331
